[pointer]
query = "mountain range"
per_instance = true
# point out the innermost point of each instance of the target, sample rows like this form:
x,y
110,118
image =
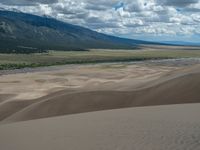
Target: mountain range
x,y
30,32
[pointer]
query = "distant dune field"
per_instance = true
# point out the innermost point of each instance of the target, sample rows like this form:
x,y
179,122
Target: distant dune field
x,y
172,90
95,88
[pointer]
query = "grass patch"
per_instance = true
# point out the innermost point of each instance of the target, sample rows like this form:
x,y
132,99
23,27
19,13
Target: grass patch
x,y
17,61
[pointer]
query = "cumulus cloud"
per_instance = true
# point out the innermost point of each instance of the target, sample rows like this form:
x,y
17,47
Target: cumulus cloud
x,y
120,17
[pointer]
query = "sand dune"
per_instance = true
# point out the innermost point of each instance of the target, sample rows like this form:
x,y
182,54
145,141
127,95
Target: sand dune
x,y
175,89
33,87
174,127
91,117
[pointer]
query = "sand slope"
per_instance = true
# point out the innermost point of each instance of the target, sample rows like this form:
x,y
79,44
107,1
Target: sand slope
x,y
12,107
175,89
4,97
173,127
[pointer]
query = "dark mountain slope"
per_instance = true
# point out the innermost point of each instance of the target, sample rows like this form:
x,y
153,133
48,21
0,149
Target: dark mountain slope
x,y
25,31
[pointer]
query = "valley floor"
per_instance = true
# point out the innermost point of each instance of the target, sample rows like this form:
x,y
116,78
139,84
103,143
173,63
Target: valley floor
x,y
53,58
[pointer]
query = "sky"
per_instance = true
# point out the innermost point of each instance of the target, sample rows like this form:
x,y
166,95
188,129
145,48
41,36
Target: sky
x,y
152,20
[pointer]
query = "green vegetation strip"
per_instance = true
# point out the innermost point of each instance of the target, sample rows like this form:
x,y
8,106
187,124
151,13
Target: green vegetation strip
x,y
17,61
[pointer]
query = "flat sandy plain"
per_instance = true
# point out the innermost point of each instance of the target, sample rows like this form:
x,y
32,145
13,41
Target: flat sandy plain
x,y
102,106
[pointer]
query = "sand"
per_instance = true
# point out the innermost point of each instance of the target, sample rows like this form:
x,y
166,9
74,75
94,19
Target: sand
x,y
102,106
169,127
171,89
78,89
21,90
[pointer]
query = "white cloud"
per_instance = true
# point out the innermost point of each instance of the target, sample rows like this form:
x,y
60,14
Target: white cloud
x,y
159,17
